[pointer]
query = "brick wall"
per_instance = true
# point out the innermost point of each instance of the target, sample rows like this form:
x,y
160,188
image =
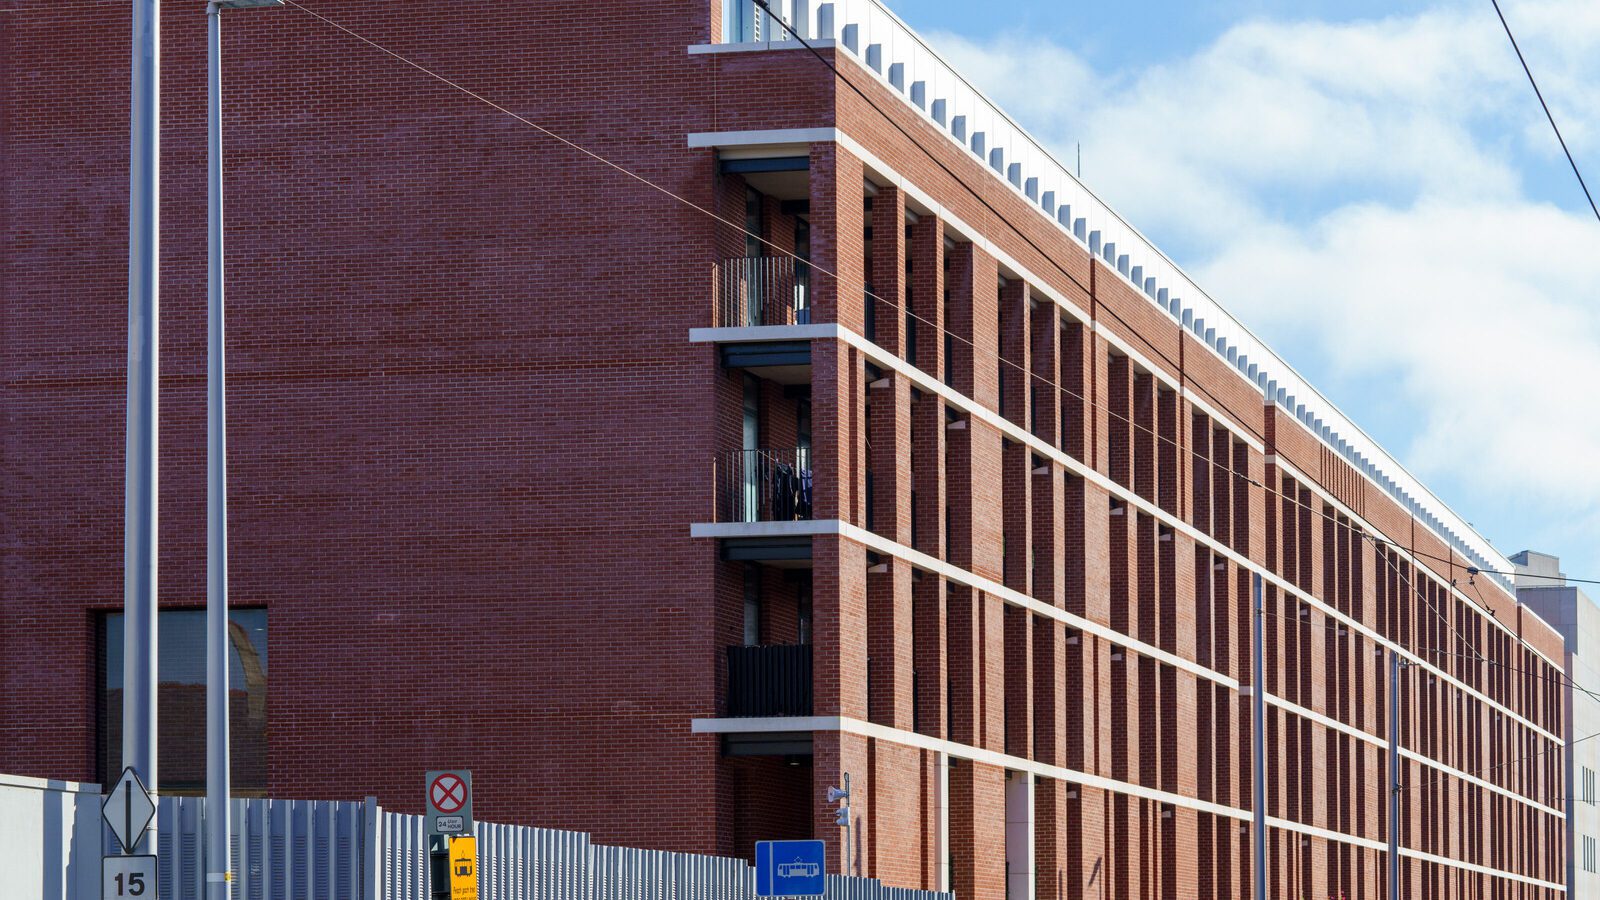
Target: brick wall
x,y
468,438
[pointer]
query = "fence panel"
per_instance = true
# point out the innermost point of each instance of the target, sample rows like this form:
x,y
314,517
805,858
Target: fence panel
x,y
281,849
319,850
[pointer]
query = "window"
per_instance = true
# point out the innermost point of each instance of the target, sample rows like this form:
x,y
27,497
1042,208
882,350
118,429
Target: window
x,y
752,605
1588,854
1588,785
803,590
181,700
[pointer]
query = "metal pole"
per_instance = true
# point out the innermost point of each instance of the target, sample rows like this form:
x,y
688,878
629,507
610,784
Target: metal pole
x,y
1258,738
1395,667
218,825
849,862
139,632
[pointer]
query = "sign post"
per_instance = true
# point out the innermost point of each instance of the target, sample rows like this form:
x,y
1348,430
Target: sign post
x,y
128,809
790,868
448,796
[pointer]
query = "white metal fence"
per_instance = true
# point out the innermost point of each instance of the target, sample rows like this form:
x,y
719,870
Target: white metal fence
x,y
356,850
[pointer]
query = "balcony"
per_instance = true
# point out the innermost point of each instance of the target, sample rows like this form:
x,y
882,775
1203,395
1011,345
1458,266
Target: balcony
x,y
769,680
762,290
764,485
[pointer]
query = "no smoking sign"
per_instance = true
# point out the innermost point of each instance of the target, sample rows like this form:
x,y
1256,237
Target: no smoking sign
x,y
449,802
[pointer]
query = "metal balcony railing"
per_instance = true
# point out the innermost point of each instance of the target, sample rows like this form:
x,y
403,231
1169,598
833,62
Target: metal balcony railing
x,y
764,485
763,290
769,680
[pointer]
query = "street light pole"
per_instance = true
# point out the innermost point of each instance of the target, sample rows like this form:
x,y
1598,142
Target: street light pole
x,y
218,819
140,475
219,825
1396,667
1258,737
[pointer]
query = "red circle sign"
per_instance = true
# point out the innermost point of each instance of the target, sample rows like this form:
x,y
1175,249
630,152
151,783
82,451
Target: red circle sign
x,y
448,793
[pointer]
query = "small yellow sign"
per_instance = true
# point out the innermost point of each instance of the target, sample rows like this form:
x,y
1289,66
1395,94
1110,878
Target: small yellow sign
x,y
463,868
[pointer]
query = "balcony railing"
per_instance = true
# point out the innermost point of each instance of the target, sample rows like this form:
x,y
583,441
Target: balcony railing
x,y
764,485
763,290
769,680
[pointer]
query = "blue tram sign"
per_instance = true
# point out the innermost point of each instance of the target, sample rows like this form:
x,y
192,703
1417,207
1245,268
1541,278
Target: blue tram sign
x,y
790,868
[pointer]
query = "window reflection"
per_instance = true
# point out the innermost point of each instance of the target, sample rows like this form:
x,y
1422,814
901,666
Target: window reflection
x,y
181,700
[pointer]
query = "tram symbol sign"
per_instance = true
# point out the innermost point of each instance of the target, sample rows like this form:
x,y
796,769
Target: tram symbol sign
x,y
449,802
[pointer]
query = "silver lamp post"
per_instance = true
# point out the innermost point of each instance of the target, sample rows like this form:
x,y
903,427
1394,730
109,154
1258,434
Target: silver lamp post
x,y
139,501
219,877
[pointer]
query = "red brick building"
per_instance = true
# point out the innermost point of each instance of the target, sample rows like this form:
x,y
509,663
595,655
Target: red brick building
x,y
915,462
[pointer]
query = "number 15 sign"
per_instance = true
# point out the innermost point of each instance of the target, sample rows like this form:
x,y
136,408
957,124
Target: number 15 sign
x,y
128,878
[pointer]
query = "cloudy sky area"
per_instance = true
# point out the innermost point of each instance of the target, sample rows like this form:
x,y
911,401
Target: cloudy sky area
x,y
1373,189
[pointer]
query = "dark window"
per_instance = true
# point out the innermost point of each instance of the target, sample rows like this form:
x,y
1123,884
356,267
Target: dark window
x,y
804,603
181,700
753,232
752,605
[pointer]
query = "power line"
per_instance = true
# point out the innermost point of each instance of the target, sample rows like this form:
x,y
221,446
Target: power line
x,y
59,8
823,270
1540,94
1478,570
1343,631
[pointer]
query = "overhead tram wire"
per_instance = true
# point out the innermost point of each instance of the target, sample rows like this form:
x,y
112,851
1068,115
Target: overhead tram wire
x,y
857,89
936,327
59,8
1545,106
1479,773
1342,631
1424,652
1228,469
1483,604
1477,570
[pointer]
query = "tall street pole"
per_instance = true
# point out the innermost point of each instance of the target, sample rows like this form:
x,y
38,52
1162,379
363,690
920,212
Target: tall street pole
x,y
219,878
140,478
1258,736
1396,666
218,810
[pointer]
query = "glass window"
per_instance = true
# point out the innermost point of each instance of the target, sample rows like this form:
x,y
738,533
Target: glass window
x,y
181,700
752,605
804,603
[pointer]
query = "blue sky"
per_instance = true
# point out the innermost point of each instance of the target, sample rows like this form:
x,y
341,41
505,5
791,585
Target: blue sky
x,y
1373,189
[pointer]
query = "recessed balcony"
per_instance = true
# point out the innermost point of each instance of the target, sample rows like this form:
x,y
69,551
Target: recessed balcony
x,y
769,680
768,298
767,485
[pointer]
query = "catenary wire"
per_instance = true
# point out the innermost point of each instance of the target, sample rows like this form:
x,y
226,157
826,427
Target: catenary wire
x,y
738,226
1545,106
1343,631
62,7
823,270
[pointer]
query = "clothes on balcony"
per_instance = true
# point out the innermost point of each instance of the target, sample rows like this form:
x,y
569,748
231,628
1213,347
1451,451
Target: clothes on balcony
x,y
785,493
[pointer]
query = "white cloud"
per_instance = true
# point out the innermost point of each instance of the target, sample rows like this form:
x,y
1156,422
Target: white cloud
x,y
1355,193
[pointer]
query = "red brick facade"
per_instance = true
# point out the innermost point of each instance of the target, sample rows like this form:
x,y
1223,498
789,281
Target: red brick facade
x,y
470,434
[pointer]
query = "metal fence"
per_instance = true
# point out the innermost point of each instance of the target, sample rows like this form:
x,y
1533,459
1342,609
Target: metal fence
x,y
769,680
282,849
768,485
318,850
763,290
